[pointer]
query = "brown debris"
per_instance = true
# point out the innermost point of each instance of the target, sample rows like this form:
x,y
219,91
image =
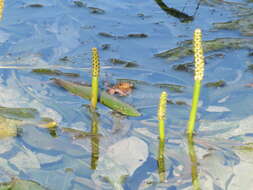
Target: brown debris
x,y
122,88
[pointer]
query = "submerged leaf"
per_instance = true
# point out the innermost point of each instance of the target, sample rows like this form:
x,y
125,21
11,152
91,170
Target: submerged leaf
x,y
244,25
78,134
19,113
172,87
18,184
220,83
208,46
43,71
105,98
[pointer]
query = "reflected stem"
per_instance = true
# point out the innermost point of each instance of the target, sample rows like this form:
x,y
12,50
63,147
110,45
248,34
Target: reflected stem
x,y
94,141
194,164
161,160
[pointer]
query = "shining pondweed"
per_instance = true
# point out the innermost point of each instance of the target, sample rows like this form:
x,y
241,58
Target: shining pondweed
x,y
199,73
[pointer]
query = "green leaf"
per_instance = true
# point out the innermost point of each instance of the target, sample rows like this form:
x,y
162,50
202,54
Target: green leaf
x,y
106,99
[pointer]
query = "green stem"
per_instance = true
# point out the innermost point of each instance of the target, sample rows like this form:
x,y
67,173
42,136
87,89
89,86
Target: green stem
x,y
194,108
161,129
94,92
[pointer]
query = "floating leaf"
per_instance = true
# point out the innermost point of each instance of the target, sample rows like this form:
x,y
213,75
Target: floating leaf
x,y
106,99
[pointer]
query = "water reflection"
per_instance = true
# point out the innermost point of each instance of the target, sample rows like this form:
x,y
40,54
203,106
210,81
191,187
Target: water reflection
x,y
161,161
1,8
94,141
194,164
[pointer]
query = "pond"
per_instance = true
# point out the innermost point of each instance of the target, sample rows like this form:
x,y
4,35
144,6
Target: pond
x,y
50,138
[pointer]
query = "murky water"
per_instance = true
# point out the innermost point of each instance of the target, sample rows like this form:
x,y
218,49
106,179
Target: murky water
x,y
111,151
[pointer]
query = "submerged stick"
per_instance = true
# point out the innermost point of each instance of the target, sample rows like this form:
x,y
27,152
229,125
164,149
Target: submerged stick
x,y
199,73
95,78
174,12
162,114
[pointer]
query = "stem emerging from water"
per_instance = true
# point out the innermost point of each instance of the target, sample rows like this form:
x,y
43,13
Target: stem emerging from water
x,y
199,73
162,114
95,77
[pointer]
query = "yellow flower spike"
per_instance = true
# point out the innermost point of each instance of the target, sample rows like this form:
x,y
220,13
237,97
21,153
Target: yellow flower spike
x,y
199,73
95,76
198,55
1,8
95,63
162,114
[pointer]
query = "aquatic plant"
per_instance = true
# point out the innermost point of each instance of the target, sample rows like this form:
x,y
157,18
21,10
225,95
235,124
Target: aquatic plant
x,y
186,47
199,73
162,114
104,98
95,77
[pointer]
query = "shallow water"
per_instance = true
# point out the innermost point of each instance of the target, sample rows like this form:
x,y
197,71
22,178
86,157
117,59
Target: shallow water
x,y
59,35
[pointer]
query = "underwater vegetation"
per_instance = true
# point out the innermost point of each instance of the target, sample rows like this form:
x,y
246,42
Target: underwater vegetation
x,y
111,132
186,47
